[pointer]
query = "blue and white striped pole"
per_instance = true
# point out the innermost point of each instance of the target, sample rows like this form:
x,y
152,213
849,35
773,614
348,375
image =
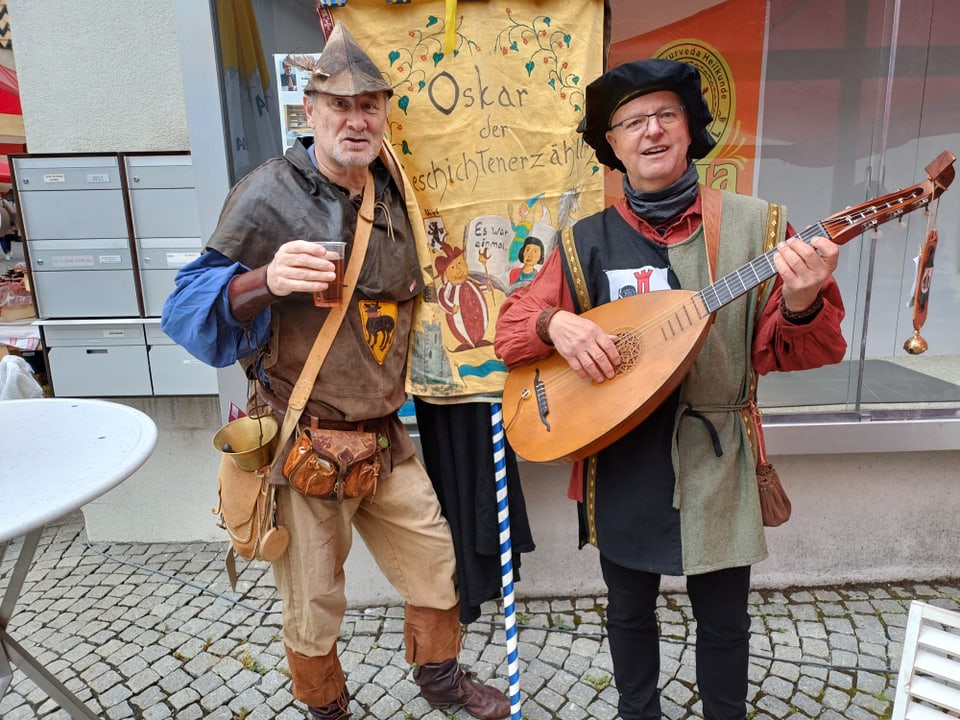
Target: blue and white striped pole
x,y
506,560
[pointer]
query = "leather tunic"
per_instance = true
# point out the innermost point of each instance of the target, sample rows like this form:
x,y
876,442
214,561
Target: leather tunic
x,y
362,377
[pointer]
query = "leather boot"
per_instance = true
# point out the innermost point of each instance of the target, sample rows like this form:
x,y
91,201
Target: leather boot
x,y
446,683
337,710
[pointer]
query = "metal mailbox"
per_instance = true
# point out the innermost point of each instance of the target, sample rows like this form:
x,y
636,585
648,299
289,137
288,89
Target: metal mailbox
x,y
75,227
166,222
100,288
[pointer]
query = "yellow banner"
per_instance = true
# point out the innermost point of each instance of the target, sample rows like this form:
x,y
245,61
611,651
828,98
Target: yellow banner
x,y
483,120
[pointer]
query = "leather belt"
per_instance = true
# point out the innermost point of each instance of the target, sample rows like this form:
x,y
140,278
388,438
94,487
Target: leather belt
x,y
378,425
375,425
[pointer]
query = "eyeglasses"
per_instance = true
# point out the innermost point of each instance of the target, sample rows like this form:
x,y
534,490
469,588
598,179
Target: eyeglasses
x,y
667,117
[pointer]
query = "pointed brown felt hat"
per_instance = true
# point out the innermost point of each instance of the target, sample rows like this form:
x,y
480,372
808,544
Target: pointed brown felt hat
x,y
345,69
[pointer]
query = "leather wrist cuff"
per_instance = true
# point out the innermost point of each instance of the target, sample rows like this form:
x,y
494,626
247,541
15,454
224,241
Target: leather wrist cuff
x,y
249,294
802,317
543,324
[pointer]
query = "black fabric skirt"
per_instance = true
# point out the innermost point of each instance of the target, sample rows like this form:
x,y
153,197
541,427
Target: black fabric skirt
x,y
457,445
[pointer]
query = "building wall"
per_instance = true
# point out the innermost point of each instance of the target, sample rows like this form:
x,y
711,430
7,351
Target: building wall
x,y
105,76
99,76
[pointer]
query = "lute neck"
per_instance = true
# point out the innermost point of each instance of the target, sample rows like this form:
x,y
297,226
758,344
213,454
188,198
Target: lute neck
x,y
745,278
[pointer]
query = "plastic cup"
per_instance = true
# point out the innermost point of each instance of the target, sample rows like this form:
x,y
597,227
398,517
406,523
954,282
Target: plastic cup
x,y
333,295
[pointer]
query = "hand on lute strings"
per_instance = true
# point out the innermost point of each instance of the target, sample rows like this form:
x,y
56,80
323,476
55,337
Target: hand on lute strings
x,y
588,349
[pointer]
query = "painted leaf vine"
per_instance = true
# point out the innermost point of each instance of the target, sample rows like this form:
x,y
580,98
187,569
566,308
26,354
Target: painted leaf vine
x,y
543,47
426,51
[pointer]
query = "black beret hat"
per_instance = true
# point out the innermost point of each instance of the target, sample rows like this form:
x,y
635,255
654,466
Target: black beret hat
x,y
630,80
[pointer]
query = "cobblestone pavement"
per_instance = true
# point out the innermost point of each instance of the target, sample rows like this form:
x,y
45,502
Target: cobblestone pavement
x,y
153,631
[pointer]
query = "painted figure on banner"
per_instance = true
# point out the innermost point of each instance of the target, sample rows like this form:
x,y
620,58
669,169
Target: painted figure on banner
x,y
522,228
470,282
531,258
462,298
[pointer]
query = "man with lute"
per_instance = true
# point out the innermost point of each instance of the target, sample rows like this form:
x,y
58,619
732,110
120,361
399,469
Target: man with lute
x,y
677,494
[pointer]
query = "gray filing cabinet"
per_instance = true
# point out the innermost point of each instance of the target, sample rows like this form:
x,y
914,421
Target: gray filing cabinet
x,y
90,359
87,358
166,222
75,226
174,371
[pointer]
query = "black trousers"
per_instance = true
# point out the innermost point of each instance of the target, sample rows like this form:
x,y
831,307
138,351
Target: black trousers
x,y
719,602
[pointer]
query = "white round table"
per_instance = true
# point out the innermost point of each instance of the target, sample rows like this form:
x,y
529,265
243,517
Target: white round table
x,y
64,453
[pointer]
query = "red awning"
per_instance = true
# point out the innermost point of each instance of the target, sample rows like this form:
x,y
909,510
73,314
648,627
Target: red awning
x,y
11,114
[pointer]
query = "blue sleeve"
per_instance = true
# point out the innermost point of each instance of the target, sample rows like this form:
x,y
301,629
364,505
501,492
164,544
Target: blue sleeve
x,y
197,314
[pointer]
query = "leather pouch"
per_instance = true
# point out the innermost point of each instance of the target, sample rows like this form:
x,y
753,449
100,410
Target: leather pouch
x,y
775,506
334,464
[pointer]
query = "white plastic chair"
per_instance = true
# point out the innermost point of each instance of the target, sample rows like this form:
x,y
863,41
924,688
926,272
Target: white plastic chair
x,y
928,687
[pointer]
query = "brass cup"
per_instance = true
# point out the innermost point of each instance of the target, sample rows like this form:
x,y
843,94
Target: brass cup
x,y
248,440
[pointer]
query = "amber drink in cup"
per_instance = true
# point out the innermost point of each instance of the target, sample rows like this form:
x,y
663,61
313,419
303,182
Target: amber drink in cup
x,y
333,295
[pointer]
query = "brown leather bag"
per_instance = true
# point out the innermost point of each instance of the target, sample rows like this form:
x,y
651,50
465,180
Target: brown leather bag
x,y
334,464
246,511
775,506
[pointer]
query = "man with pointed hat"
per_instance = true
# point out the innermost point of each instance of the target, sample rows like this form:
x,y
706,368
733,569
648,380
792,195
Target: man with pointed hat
x,y
678,494
248,297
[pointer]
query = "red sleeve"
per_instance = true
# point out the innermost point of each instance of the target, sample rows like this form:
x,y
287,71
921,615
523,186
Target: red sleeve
x,y
779,345
516,341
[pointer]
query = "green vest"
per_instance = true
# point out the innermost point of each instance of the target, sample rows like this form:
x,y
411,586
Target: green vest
x,y
716,496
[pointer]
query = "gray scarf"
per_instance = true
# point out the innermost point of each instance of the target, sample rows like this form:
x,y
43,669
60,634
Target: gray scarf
x,y
661,205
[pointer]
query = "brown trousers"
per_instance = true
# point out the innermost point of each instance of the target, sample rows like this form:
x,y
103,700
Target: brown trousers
x,y
410,540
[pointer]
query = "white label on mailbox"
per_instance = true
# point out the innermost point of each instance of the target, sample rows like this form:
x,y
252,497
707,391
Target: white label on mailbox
x,y
54,178
98,178
113,332
110,260
72,261
179,259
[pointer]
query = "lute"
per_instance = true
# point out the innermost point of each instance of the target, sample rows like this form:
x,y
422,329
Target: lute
x,y
551,414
